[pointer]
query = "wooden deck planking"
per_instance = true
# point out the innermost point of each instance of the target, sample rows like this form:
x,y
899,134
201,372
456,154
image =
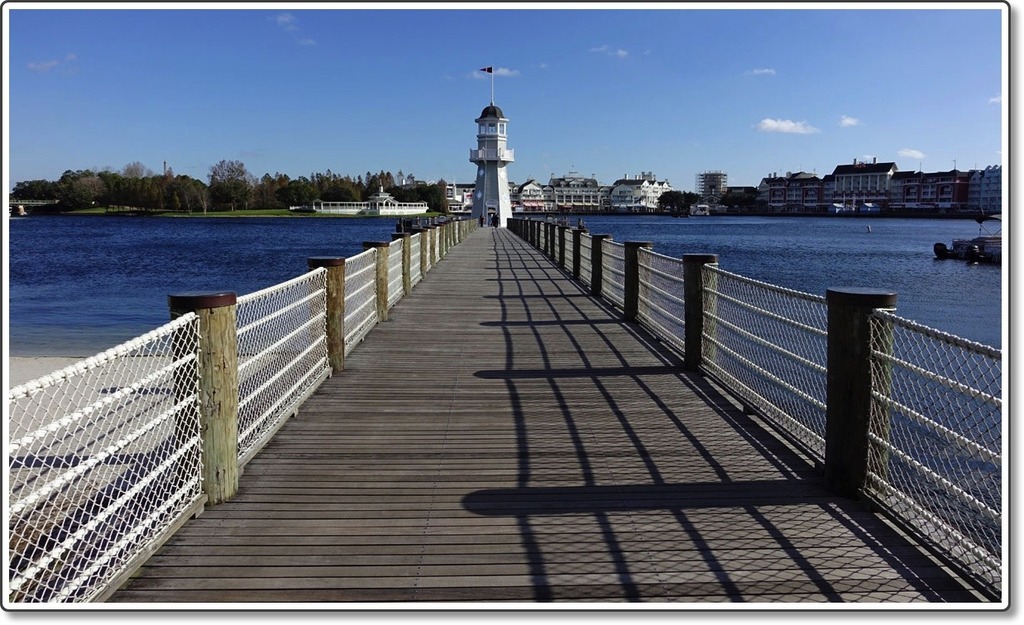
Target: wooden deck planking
x,y
505,437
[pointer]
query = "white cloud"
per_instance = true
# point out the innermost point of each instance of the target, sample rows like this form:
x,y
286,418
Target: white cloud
x,y
286,21
307,42
911,153
43,66
68,64
846,121
498,71
764,71
995,100
786,126
618,52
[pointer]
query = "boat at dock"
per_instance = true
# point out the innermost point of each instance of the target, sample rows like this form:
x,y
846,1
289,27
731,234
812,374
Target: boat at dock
x,y
987,247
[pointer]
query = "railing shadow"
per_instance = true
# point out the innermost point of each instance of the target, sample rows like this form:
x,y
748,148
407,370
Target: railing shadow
x,y
688,498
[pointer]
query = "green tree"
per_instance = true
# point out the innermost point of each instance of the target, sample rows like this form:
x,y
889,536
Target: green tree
x,y
299,192
35,190
231,185
79,189
675,202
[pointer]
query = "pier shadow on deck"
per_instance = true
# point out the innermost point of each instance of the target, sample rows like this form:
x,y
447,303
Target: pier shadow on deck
x,y
505,437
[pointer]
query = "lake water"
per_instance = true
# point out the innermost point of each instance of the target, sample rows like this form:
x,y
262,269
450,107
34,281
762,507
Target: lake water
x,y
79,285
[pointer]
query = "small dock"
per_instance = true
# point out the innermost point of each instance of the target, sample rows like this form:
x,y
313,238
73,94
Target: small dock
x,y
505,437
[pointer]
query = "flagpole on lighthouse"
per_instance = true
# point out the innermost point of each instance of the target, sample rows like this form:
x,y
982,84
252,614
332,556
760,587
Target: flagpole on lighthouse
x,y
490,70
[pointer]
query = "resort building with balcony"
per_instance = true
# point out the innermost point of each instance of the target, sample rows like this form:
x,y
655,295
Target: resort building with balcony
x,y
637,194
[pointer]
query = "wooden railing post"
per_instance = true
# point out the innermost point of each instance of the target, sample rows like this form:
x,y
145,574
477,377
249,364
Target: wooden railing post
x,y
382,277
424,243
631,280
576,234
335,308
406,260
693,308
218,387
596,270
848,380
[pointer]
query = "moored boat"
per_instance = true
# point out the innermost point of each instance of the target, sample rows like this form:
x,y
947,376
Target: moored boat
x,y
987,247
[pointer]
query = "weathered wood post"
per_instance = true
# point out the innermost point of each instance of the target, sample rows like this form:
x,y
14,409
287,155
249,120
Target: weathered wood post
x,y
848,380
631,280
406,260
596,268
424,249
335,308
693,308
381,277
576,234
432,235
218,387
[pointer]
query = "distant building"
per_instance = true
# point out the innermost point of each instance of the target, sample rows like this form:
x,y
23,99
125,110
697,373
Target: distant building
x,y
863,187
530,197
576,193
637,194
711,186
380,204
985,191
941,191
794,192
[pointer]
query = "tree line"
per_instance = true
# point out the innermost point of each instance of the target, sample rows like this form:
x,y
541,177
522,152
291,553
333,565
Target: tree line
x,y
229,186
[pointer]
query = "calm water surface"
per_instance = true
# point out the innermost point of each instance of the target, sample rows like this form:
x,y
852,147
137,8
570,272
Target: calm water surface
x,y
79,285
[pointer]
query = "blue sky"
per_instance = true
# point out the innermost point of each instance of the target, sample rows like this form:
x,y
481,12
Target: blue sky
x,y
603,89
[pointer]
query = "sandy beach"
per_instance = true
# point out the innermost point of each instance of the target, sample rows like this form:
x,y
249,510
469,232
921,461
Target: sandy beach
x,y
25,368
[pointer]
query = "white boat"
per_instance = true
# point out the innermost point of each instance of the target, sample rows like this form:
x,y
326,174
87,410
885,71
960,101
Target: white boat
x,y
987,247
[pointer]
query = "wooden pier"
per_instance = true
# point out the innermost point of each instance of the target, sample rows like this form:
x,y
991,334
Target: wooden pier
x,y
505,437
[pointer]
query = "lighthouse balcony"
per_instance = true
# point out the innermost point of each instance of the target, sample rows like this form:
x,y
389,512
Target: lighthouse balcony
x,y
492,155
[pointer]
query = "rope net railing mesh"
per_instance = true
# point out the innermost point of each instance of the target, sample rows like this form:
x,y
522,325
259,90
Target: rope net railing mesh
x,y
395,272
360,297
769,344
936,442
613,272
282,354
660,302
415,273
586,251
103,457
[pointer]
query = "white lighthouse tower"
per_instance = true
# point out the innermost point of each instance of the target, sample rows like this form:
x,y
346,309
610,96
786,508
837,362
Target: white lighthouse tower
x,y
491,156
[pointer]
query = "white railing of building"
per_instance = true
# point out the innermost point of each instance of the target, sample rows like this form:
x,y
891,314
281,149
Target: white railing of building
x,y
613,272
936,440
282,355
360,297
769,345
104,461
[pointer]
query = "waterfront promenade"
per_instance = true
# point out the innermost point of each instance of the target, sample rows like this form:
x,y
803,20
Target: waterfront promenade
x,y
506,437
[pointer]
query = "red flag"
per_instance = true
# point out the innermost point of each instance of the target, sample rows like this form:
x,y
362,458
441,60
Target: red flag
x,y
489,70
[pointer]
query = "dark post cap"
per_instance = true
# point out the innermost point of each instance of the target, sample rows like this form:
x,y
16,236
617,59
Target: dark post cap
x,y
400,235
197,300
324,261
860,296
700,258
638,244
368,244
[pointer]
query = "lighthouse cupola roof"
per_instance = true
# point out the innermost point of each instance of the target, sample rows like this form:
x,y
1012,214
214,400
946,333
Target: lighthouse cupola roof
x,y
492,111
